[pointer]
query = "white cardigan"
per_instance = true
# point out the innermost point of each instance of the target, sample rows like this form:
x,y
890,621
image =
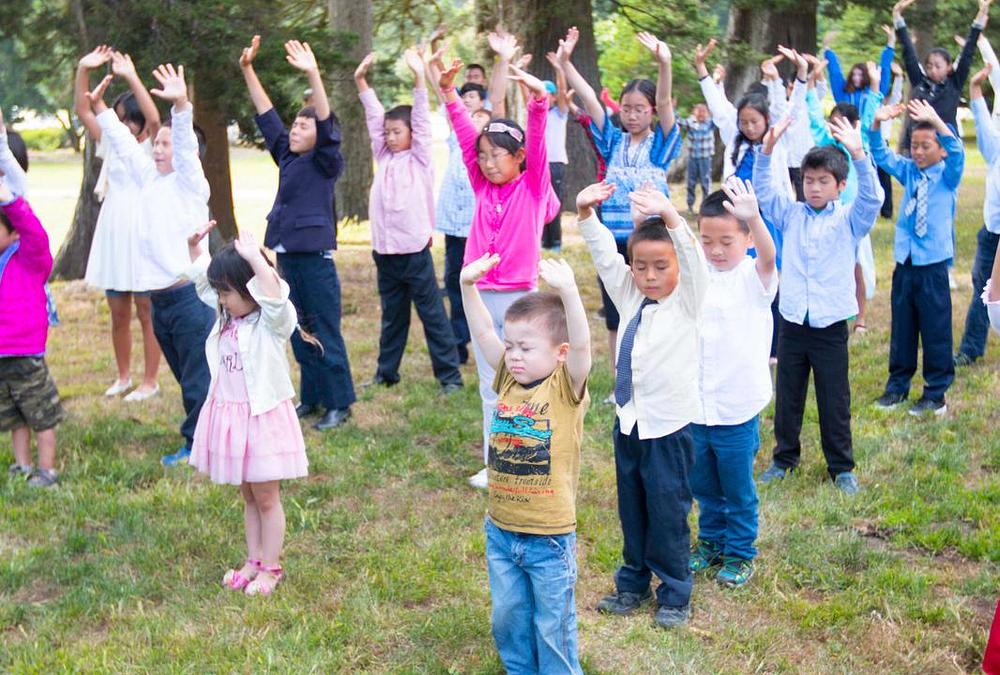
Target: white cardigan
x,y
261,340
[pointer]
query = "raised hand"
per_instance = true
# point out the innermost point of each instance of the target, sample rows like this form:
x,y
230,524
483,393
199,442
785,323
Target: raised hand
x,y
897,69
849,136
874,73
96,58
503,43
568,44
536,86
301,56
553,59
899,7
742,199
701,53
980,77
523,61
774,134
890,35
769,67
477,269
557,273
96,95
362,70
656,46
959,40
594,194
922,111
828,38
414,62
248,248
122,66
793,56
649,201
984,11
889,112
719,73
171,80
447,79
200,234
250,53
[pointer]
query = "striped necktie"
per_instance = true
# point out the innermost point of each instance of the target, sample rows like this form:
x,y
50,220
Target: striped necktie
x,y
623,377
919,204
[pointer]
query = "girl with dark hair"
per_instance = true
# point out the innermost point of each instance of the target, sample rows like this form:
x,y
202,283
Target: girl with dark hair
x,y
248,433
858,85
114,260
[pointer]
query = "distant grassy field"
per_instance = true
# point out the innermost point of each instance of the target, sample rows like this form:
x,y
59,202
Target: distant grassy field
x,y
117,570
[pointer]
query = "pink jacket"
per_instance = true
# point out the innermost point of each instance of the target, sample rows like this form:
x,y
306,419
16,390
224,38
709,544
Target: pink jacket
x,y
509,218
24,322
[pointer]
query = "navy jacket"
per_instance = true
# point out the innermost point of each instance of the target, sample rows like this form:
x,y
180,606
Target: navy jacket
x,y
303,218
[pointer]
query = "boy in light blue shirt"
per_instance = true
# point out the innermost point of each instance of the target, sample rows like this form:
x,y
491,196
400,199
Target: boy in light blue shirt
x,y
817,294
921,297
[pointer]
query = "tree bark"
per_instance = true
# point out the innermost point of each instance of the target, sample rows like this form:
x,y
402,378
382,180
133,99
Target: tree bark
x,y
212,121
352,21
71,260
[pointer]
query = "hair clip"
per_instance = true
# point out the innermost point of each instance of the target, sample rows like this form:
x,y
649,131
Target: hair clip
x,y
501,128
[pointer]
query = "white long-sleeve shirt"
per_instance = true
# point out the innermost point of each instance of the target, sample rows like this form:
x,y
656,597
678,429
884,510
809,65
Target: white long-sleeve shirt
x,y
13,174
172,205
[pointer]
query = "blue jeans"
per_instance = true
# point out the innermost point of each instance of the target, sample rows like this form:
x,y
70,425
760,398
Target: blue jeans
x,y
699,172
533,589
977,321
722,482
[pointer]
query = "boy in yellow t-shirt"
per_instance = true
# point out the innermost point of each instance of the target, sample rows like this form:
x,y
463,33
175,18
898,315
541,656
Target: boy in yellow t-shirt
x,y
542,363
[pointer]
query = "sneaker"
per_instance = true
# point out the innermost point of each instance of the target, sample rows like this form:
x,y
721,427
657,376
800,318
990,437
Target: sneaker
x,y
888,401
963,359
925,405
704,555
118,388
480,480
735,571
771,474
623,603
17,470
43,478
847,483
672,617
138,395
451,388
179,457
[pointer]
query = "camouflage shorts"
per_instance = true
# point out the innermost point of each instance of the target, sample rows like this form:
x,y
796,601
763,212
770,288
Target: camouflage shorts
x,y
28,396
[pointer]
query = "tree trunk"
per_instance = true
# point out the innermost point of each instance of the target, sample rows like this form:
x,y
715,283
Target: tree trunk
x,y
216,164
539,25
71,261
352,22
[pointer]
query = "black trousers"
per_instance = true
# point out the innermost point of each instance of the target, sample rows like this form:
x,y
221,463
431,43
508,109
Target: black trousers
x,y
402,279
552,232
315,292
454,254
795,176
823,351
181,323
921,312
885,180
654,499
977,319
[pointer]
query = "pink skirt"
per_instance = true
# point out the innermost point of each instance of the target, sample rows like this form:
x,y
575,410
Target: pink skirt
x,y
232,446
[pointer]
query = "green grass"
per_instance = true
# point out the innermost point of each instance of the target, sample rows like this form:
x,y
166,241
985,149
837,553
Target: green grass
x,y
117,570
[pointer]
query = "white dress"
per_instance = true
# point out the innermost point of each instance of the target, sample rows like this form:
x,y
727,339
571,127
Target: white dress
x,y
113,253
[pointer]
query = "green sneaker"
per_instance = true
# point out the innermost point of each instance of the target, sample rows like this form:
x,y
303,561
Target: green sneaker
x,y
705,555
735,572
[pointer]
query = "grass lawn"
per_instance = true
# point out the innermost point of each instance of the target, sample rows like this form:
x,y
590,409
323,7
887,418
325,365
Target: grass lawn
x,y
118,569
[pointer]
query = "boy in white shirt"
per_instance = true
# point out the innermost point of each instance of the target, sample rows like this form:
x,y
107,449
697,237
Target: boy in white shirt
x,y
735,379
174,202
660,292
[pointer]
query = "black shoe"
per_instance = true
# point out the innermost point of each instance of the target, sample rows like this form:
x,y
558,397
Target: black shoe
x,y
671,617
450,388
623,603
378,380
332,419
963,359
926,405
303,410
463,353
889,401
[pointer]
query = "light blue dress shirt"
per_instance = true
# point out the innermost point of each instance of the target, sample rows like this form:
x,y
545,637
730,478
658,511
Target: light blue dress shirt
x,y
988,140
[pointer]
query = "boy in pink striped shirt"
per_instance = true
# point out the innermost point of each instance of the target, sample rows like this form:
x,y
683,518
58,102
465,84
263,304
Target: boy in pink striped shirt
x,y
401,212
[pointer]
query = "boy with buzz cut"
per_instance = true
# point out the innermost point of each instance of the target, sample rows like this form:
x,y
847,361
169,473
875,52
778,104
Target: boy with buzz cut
x,y
542,364
821,238
660,291
925,245
735,380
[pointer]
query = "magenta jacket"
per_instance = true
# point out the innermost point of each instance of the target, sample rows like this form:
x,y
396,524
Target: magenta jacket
x,y
24,322
509,218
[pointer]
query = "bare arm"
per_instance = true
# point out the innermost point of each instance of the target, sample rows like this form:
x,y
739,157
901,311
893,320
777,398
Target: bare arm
x,y
480,322
261,101
743,204
591,104
81,101
301,56
122,66
559,275
664,80
562,99
505,45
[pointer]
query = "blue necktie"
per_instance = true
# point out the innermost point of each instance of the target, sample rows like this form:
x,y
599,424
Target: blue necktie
x,y
623,378
919,204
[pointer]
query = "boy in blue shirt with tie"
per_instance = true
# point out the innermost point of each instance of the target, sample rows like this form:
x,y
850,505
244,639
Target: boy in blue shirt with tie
x,y
921,298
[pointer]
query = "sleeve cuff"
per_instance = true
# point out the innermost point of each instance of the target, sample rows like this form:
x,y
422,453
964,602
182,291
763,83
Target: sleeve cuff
x,y
899,23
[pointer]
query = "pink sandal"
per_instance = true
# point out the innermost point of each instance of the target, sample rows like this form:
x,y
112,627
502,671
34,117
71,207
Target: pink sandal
x,y
236,581
260,586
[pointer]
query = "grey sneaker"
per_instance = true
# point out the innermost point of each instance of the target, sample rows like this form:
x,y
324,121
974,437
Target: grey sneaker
x,y
928,405
43,478
847,483
672,617
623,603
16,470
771,474
889,401
963,359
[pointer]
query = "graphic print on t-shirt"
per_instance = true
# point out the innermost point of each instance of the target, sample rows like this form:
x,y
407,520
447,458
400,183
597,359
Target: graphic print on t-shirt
x,y
521,451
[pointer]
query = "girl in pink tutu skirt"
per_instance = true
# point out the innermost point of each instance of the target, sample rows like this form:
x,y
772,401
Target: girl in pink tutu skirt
x,y
248,433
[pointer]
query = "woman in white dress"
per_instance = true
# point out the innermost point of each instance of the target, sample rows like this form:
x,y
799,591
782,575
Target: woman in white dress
x,y
113,256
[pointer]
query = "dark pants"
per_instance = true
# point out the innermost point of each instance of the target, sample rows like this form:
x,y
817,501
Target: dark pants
x,y
401,279
921,311
699,172
885,180
611,318
552,232
776,320
181,323
314,290
654,499
795,176
977,320
454,254
824,352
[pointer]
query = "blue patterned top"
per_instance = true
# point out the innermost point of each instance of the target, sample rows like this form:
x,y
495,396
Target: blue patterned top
x,y
456,203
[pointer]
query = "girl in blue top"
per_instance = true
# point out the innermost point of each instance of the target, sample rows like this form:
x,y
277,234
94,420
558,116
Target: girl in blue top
x,y
859,83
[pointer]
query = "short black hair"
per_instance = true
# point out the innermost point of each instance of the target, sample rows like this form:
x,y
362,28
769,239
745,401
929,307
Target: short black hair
x,y
712,206
401,113
645,87
473,86
827,158
848,111
131,112
475,66
940,51
547,309
5,221
925,126
651,229
18,148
